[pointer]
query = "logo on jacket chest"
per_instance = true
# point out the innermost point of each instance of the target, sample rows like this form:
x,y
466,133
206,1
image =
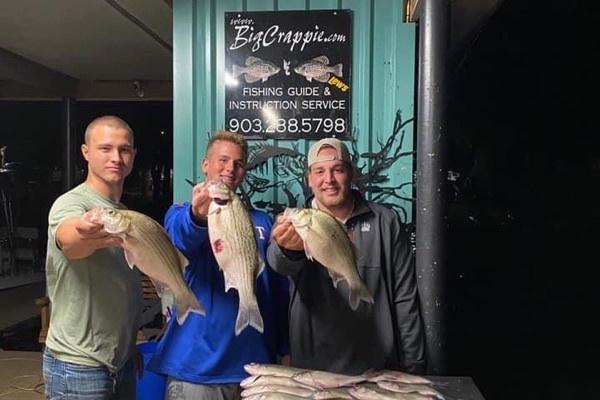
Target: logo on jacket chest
x,y
261,232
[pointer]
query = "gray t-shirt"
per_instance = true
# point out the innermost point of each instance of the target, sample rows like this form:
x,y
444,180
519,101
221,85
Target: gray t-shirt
x,y
95,301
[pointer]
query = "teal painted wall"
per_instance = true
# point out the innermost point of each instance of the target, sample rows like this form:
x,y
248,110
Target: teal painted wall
x,y
383,79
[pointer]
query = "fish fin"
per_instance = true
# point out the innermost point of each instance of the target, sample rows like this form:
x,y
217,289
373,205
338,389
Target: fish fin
x,y
215,211
236,70
187,303
323,78
307,251
252,60
167,300
251,78
357,293
248,314
261,266
229,283
183,261
337,70
322,60
308,78
336,278
129,257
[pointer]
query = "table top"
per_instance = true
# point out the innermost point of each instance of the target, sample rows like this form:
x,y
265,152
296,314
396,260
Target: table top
x,y
456,387
21,379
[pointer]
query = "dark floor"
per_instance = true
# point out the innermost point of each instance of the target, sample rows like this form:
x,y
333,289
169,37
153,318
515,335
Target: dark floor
x,y
22,336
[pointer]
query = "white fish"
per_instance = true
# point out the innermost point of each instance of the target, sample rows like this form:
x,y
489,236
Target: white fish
x,y
233,242
335,393
261,380
410,388
374,393
326,240
397,376
313,378
255,70
318,69
274,396
148,247
295,390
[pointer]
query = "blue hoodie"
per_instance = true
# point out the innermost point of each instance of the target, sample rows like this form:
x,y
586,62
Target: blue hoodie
x,y
204,349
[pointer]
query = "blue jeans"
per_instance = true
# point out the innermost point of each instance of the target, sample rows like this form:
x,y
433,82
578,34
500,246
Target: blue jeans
x,y
68,381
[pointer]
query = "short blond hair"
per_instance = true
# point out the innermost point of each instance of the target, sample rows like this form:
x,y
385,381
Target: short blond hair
x,y
107,120
232,137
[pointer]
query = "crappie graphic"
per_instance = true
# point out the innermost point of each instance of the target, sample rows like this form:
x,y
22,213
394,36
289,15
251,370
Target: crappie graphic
x,y
318,69
148,247
326,240
233,243
255,70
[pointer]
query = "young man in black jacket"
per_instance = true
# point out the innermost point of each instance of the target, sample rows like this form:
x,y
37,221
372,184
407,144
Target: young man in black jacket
x,y
325,333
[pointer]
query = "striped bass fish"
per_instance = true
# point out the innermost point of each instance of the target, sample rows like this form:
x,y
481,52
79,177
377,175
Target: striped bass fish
x,y
148,247
375,393
326,240
233,243
308,377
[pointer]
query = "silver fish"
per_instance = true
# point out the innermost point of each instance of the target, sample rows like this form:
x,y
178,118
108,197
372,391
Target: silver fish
x,y
397,376
294,390
274,396
337,393
255,70
363,392
148,247
326,240
261,380
318,69
233,243
410,388
314,378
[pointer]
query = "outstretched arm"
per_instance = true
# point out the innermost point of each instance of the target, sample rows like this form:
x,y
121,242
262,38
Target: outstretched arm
x,y
81,237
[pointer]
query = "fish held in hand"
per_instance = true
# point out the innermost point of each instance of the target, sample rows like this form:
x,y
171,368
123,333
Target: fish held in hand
x,y
326,240
147,246
233,243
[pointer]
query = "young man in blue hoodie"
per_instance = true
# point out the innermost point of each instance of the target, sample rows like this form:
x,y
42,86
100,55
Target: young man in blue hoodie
x,y
203,358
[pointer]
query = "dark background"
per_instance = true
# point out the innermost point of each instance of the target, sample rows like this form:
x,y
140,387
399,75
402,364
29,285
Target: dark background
x,y
522,214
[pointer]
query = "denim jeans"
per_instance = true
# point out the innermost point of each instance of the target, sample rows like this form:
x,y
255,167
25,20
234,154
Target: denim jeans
x,y
68,381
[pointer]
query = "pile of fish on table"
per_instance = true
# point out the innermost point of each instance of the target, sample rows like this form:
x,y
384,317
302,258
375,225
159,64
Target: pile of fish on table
x,y
271,381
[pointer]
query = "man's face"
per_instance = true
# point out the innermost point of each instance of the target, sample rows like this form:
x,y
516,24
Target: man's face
x,y
109,153
224,162
330,181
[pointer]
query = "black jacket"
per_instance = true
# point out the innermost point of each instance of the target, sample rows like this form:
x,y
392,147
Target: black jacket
x,y
325,333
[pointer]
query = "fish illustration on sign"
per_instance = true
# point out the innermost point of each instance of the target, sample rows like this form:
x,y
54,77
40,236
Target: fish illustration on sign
x,y
255,70
318,69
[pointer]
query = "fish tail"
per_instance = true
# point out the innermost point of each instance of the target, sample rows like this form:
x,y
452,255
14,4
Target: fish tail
x,y
337,70
187,303
248,314
237,70
359,292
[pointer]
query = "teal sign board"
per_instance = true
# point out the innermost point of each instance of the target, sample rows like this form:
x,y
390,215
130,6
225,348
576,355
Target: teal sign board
x,y
288,73
380,112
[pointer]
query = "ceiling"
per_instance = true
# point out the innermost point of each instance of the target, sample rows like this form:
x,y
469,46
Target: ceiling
x,y
122,49
92,49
